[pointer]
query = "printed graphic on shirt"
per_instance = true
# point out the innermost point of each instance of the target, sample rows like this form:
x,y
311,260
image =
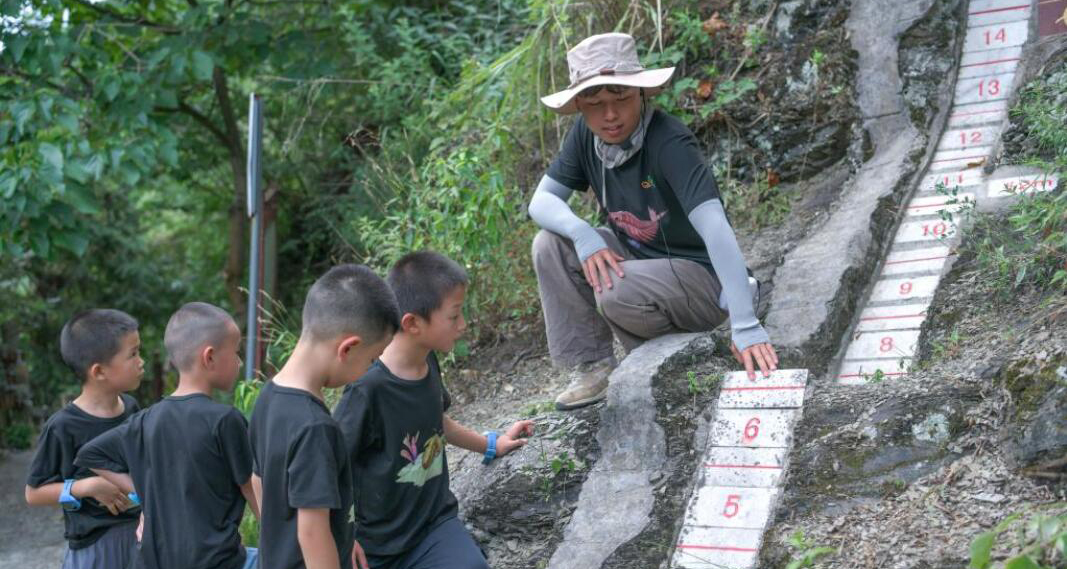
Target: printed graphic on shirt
x,y
639,229
647,183
422,466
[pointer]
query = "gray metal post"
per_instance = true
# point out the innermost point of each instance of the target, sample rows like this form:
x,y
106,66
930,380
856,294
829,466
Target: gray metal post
x,y
255,211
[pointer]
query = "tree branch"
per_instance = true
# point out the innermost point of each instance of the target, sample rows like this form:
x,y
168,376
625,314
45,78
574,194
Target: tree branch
x,y
119,16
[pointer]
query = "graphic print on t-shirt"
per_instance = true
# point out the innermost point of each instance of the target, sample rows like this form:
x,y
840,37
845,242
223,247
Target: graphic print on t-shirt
x,y
640,229
421,466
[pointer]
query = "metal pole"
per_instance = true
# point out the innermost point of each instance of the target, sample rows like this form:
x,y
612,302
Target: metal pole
x,y
255,211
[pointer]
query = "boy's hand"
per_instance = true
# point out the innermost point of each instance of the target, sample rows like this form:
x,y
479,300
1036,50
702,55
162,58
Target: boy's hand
x,y
104,492
510,440
359,558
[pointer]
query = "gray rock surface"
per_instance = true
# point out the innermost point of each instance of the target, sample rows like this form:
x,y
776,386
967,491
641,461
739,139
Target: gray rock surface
x,y
817,286
616,500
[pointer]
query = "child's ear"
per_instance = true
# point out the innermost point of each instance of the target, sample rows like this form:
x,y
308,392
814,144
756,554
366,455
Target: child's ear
x,y
207,356
409,323
96,372
347,345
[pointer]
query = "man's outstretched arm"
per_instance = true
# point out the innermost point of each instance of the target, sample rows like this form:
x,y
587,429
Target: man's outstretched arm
x,y
751,341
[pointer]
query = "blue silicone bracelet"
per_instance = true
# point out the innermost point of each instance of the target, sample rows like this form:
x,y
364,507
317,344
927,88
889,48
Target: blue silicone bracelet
x,y
490,447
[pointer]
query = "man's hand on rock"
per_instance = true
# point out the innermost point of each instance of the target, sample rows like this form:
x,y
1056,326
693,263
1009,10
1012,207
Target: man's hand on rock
x,y
511,440
763,354
597,269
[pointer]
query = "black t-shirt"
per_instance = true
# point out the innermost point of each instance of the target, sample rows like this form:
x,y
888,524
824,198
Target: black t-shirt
x,y
299,452
650,196
63,435
188,457
396,441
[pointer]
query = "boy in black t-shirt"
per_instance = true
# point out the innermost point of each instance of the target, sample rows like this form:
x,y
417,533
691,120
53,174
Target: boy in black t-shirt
x,y
102,347
394,421
187,456
302,474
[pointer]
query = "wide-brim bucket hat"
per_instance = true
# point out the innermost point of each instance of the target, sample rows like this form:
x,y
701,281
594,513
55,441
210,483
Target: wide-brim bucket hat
x,y
605,59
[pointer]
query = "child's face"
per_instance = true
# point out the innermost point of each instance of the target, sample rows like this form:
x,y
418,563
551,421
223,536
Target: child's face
x,y
125,369
227,359
357,360
446,323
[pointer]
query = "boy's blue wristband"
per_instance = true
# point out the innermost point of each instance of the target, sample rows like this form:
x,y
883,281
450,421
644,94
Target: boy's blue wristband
x,y
69,502
134,498
490,447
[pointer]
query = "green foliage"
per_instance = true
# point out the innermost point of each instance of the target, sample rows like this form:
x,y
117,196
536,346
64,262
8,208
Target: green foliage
x,y
752,205
1032,538
18,436
699,385
805,553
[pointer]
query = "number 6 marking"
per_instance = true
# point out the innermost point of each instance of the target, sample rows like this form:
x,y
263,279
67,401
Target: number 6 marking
x,y
733,505
751,430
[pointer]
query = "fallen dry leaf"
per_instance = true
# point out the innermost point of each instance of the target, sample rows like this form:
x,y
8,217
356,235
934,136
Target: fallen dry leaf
x,y
714,24
705,88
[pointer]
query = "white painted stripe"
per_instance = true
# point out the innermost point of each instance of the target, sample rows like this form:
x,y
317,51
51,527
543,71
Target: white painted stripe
x,y
951,180
959,159
739,466
970,137
933,205
983,89
915,260
782,389
766,428
731,507
990,62
861,372
717,548
883,344
996,36
985,12
906,317
1021,184
963,116
907,288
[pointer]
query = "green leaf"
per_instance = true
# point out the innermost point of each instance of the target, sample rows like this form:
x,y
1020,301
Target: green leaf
x,y
203,65
76,170
52,156
73,242
981,550
39,244
111,89
82,200
17,44
22,112
68,121
1021,562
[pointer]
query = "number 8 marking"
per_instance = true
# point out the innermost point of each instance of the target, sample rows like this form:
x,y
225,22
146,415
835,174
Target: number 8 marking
x,y
886,345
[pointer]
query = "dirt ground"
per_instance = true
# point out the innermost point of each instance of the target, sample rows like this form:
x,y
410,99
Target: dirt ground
x,y
30,538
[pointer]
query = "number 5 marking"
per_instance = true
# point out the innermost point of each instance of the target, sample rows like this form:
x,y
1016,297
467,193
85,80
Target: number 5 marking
x,y
733,505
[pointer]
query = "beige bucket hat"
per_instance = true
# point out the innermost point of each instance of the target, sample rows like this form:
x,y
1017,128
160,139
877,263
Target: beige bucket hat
x,y
605,59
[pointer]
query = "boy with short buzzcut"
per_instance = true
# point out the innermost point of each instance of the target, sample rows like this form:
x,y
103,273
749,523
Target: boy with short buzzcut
x,y
302,474
102,347
395,424
187,456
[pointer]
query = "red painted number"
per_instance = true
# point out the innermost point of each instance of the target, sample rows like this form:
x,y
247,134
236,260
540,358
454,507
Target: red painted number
x,y
976,137
1001,36
733,505
751,430
959,179
905,288
990,88
886,345
937,230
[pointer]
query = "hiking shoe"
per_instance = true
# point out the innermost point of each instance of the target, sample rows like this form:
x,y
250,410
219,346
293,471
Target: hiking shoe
x,y
589,384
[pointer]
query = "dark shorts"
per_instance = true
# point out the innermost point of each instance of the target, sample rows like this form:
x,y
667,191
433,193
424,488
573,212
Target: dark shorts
x,y
448,546
116,549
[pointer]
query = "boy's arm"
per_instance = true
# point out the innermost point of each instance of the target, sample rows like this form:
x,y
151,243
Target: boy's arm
x,y
109,496
248,490
120,480
316,540
231,433
467,438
